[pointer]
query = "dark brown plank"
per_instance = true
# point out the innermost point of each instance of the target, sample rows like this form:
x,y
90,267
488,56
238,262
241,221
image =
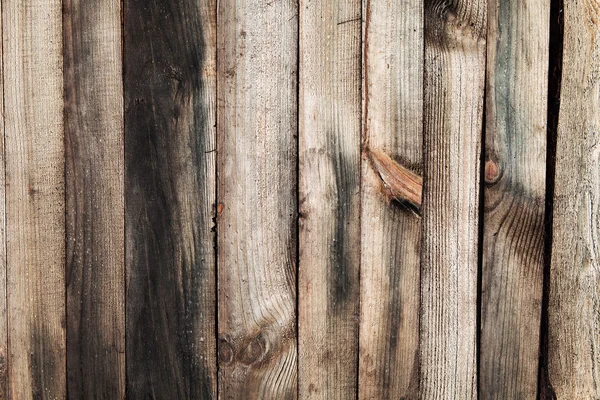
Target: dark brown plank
x,y
95,270
257,190
455,44
35,208
169,84
329,192
515,185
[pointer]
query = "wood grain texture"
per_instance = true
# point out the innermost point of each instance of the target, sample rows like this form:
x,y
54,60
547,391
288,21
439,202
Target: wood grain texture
x,y
329,195
391,232
574,298
35,211
453,100
170,97
94,171
515,178
257,192
3,304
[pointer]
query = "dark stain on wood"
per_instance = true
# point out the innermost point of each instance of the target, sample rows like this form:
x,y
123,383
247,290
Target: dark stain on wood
x,y
43,369
170,286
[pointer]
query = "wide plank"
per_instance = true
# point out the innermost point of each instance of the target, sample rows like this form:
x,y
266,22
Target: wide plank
x,y
35,197
94,171
391,229
257,198
170,98
574,292
329,195
515,186
455,44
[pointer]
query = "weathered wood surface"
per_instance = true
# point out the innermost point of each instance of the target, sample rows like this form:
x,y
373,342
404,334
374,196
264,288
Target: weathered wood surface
x,y
574,298
257,195
515,184
453,101
94,173
329,198
3,305
391,233
169,85
35,211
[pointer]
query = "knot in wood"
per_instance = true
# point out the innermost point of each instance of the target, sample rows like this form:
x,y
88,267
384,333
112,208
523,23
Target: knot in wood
x,y
226,353
254,351
491,172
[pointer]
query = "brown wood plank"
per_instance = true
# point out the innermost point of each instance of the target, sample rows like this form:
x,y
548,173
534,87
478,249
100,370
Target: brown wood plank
x,y
257,192
515,178
35,211
3,305
574,298
95,270
170,96
329,195
391,231
453,101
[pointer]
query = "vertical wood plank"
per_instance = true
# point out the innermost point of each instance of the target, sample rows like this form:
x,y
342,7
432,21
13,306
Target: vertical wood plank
x,y
3,304
329,193
515,177
95,269
257,231
574,298
35,211
453,100
170,97
391,231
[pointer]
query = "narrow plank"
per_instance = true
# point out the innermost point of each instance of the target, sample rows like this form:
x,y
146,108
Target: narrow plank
x,y
329,194
391,231
257,230
95,269
574,298
453,102
515,183
35,210
3,305
170,111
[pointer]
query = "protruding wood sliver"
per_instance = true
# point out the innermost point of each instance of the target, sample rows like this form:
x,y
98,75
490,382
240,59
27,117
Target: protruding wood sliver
x,y
400,183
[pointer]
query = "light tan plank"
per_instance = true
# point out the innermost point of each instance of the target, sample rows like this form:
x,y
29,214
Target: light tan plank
x,y
257,194
574,298
391,231
515,178
35,212
3,305
329,190
453,101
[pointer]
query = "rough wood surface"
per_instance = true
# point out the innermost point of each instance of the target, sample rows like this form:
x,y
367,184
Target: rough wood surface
x,y
574,298
35,212
329,195
453,102
3,308
515,177
169,83
95,269
257,193
391,232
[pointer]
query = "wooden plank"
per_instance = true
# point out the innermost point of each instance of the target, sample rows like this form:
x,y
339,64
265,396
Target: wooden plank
x,y
574,298
170,97
95,270
329,193
515,185
3,305
391,232
35,211
453,102
257,231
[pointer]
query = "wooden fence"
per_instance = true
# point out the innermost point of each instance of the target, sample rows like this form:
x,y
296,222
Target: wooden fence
x,y
315,199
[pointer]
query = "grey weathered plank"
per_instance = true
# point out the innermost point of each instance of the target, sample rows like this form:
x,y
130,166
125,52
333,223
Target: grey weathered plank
x,y
453,100
35,213
257,193
329,194
574,298
170,96
391,231
515,178
95,269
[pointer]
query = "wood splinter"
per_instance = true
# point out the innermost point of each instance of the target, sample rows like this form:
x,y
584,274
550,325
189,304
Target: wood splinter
x,y
400,183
